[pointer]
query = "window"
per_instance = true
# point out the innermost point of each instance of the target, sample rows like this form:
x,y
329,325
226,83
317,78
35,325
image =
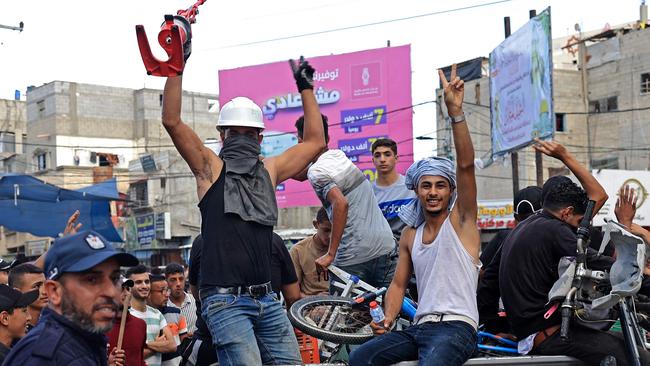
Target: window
x,y
105,159
612,103
645,83
139,193
7,142
41,161
40,105
560,122
163,183
594,106
160,99
607,162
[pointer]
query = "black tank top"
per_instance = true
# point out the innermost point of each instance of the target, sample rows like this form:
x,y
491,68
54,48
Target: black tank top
x,y
235,252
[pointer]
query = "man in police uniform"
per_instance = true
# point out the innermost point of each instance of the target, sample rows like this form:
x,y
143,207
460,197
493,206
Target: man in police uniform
x,y
83,272
4,271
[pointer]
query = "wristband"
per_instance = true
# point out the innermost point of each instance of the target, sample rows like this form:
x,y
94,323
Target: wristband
x,y
457,119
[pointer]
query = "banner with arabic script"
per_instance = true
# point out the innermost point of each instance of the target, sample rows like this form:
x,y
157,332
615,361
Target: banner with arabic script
x,y
366,95
521,90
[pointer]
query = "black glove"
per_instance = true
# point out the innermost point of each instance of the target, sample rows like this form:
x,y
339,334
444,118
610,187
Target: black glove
x,y
303,73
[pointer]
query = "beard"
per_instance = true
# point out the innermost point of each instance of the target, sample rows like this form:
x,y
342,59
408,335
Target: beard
x,y
82,319
435,212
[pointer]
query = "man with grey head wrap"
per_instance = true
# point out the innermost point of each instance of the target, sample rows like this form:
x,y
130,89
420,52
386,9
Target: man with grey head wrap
x,y
441,246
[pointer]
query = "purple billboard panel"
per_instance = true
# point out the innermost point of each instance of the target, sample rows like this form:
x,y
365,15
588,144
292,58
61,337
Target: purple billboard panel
x,y
364,95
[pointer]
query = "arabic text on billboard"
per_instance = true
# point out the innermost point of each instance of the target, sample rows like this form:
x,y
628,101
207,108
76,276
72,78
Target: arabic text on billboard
x,y
521,94
495,214
363,94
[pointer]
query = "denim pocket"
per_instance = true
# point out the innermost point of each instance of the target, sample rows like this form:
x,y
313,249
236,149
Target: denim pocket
x,y
216,303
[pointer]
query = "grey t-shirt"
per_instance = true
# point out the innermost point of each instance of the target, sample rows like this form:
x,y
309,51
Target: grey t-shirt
x,y
367,234
391,199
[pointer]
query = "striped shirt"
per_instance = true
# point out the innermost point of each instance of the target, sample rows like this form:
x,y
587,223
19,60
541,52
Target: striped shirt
x,y
188,310
178,326
155,323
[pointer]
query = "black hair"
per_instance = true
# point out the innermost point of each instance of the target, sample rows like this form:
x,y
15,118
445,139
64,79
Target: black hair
x,y
156,278
17,273
139,269
321,215
173,268
300,127
389,143
565,194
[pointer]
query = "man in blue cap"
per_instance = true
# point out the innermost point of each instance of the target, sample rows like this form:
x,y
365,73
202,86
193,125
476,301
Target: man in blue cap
x,y
4,271
14,316
82,272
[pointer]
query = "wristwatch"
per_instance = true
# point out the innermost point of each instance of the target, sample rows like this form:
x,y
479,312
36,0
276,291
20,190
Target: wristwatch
x,y
457,119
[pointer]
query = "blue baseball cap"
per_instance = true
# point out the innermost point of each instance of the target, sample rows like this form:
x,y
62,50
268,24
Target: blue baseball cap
x,y
81,252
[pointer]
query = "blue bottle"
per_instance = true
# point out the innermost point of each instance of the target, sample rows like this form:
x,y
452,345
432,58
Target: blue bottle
x,y
377,313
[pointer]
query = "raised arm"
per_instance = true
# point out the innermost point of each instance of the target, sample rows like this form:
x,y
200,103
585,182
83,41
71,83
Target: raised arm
x,y
465,210
205,165
296,158
340,207
594,190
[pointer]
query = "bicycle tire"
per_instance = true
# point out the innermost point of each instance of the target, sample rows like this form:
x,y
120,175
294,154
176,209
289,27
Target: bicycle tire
x,y
299,319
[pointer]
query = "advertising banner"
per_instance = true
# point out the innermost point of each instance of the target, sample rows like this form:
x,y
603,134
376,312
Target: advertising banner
x,y
521,93
146,229
495,214
366,95
612,181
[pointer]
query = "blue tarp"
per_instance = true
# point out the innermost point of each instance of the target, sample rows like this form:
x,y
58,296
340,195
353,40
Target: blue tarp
x,y
28,204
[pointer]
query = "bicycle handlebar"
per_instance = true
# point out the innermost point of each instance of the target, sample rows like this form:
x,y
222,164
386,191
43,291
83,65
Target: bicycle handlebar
x,y
585,223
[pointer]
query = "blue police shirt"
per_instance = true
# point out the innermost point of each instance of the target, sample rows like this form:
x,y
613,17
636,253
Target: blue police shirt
x,y
57,341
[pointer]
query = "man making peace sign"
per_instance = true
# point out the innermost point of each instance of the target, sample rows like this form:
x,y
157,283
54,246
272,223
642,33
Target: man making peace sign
x,y
441,245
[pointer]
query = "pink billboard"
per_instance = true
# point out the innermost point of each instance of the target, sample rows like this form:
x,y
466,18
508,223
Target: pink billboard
x,y
366,95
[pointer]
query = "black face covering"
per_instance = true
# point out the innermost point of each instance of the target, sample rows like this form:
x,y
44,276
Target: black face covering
x,y
248,191
241,152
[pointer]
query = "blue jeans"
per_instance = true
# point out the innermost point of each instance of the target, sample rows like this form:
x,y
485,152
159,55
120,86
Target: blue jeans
x,y
250,331
445,343
377,272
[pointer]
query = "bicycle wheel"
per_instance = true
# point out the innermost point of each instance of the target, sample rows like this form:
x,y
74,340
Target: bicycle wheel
x,y
331,318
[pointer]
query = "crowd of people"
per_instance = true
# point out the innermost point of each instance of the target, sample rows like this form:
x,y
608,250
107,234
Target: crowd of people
x,y
85,303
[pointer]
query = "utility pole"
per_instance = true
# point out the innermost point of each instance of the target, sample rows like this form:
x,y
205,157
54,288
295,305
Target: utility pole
x,y
19,28
514,156
582,64
539,162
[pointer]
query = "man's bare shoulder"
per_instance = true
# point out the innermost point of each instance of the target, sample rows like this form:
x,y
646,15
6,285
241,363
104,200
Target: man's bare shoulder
x,y
408,235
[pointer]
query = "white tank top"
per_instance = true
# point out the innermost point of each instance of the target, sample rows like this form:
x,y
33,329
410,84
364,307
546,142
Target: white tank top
x,y
446,275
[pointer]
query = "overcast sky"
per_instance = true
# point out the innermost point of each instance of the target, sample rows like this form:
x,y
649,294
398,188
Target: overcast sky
x,y
94,41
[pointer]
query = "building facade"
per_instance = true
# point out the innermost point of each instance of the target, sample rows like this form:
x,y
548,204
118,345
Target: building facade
x,y
82,134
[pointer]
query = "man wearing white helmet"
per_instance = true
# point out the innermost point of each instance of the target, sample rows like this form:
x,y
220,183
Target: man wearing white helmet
x,y
238,208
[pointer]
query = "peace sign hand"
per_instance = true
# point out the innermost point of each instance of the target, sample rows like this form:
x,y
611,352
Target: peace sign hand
x,y
454,92
303,72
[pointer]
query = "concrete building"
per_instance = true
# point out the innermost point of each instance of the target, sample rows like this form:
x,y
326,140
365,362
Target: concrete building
x,y
603,128
81,134
13,142
618,80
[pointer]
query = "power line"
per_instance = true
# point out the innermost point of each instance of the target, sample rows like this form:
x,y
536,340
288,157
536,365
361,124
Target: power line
x,y
358,26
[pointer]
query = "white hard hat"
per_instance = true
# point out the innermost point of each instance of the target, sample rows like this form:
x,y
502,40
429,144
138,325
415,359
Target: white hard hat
x,y
240,111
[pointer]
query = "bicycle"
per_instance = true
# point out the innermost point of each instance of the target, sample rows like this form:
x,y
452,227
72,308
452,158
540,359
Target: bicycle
x,y
345,318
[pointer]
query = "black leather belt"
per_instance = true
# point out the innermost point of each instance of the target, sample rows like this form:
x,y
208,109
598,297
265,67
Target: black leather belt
x,y
253,290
